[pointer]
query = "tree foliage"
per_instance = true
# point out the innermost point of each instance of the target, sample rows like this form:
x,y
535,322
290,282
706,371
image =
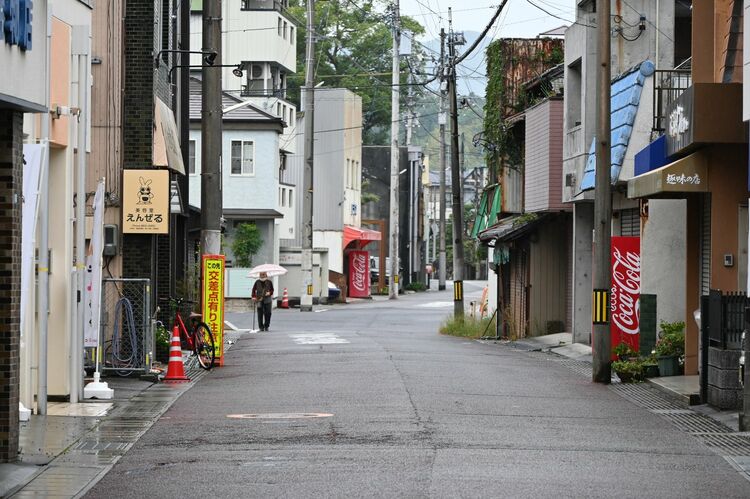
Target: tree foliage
x,y
246,243
353,50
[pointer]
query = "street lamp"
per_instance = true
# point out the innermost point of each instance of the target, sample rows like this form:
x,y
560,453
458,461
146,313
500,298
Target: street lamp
x,y
210,56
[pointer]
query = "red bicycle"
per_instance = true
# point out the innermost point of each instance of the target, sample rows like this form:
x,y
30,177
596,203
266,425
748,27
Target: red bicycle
x,y
199,339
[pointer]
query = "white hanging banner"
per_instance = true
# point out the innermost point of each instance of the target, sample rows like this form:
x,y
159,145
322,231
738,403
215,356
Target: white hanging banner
x,y
34,157
93,295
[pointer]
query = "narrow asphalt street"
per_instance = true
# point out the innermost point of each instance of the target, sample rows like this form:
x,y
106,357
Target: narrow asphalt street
x,y
368,400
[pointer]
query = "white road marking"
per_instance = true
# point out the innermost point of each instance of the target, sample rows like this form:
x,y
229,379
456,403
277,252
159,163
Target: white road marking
x,y
317,339
436,304
321,310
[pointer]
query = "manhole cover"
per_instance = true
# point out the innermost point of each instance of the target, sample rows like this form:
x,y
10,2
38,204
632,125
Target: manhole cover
x,y
281,415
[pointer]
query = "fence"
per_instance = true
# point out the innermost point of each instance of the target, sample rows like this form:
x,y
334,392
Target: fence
x,y
725,318
126,334
668,86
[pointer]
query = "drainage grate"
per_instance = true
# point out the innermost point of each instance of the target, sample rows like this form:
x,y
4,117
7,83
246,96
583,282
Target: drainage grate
x,y
579,367
644,396
727,444
97,445
692,422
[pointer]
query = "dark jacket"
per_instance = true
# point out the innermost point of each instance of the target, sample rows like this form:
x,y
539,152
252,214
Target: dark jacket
x,y
260,289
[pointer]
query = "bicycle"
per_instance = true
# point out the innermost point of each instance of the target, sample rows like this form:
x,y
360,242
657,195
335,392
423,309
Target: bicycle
x,y
200,339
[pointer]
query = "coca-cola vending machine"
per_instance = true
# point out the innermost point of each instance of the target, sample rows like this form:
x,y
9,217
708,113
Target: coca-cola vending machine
x,y
625,310
359,274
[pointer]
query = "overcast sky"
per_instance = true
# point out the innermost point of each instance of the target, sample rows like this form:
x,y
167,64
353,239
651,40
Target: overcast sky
x,y
519,18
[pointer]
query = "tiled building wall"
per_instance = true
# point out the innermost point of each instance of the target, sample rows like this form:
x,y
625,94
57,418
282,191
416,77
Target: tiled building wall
x,y
146,256
11,171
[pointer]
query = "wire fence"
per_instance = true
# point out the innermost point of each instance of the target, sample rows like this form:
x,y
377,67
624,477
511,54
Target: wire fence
x,y
127,336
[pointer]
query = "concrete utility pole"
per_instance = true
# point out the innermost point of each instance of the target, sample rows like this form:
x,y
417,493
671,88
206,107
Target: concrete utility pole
x,y
393,281
306,297
442,120
602,202
458,212
211,114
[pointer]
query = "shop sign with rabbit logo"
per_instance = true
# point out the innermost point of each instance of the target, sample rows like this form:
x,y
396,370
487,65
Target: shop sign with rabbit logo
x,y
145,203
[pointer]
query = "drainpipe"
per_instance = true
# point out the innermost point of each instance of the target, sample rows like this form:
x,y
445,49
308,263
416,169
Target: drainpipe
x,y
43,264
81,42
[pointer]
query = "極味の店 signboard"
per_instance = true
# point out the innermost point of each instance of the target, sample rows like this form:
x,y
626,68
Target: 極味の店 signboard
x,y
145,202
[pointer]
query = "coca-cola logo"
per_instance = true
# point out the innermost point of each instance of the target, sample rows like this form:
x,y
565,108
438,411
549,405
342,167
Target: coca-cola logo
x,y
626,289
359,272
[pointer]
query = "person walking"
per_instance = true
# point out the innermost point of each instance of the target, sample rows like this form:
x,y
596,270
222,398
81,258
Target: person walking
x,y
262,295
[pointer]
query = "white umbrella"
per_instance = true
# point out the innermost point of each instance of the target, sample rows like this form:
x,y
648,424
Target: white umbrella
x,y
270,269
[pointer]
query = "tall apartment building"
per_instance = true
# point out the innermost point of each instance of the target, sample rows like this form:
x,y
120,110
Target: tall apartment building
x,y
260,38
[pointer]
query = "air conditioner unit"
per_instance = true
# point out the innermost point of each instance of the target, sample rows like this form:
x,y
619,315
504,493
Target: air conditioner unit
x,y
256,72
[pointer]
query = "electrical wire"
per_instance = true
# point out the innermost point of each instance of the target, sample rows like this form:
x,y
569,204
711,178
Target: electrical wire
x,y
118,335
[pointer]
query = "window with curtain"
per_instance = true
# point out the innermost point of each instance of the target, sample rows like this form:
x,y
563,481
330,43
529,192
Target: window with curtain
x,y
242,158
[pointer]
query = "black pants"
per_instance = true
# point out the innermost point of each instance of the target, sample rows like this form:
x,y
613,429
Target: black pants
x,y
264,314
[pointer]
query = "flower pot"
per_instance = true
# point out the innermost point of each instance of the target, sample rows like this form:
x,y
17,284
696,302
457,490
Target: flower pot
x,y
669,365
651,370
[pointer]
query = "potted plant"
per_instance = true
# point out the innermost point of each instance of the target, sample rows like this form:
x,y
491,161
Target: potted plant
x,y
629,371
651,367
624,351
670,347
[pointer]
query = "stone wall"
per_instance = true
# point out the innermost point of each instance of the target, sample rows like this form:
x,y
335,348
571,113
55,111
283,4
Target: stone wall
x,y
724,389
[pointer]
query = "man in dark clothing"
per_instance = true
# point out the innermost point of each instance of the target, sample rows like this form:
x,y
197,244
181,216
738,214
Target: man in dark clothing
x,y
263,297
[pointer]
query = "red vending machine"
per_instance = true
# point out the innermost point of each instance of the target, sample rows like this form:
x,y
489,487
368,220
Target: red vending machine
x,y
359,274
626,291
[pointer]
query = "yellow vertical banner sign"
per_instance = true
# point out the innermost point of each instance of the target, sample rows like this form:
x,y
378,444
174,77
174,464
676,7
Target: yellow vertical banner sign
x,y
212,300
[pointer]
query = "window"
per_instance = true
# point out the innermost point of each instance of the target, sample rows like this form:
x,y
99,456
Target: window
x,y
285,27
242,158
291,34
291,115
191,157
279,27
291,196
573,89
278,109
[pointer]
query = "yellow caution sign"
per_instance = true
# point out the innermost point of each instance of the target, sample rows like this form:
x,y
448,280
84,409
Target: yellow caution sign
x,y
458,290
309,289
600,306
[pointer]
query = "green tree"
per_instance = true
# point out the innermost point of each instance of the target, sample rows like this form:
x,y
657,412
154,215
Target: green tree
x,y
353,50
246,243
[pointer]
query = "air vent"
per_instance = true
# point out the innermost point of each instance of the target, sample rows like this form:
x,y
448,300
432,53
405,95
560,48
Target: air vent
x,y
256,72
570,179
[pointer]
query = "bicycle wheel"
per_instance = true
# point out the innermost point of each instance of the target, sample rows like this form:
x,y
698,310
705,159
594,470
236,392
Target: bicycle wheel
x,y
203,345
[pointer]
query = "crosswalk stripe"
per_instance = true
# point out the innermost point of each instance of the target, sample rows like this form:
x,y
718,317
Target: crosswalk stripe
x,y
317,339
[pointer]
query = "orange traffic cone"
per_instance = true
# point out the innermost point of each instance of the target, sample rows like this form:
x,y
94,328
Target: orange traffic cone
x,y
175,369
285,299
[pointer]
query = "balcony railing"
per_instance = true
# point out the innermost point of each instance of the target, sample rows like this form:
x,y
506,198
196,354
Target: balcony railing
x,y
668,85
246,91
265,4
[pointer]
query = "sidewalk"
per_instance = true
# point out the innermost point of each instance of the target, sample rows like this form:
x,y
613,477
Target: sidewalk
x,y
64,453
683,389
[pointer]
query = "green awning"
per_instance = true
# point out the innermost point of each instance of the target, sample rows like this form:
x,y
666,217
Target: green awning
x,y
489,209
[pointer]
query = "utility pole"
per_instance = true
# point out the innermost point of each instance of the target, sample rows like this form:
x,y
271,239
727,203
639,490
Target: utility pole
x,y
458,215
393,282
211,115
441,118
602,202
306,297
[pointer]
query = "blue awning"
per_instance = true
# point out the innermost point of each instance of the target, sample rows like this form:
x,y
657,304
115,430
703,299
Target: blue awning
x,y
625,98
